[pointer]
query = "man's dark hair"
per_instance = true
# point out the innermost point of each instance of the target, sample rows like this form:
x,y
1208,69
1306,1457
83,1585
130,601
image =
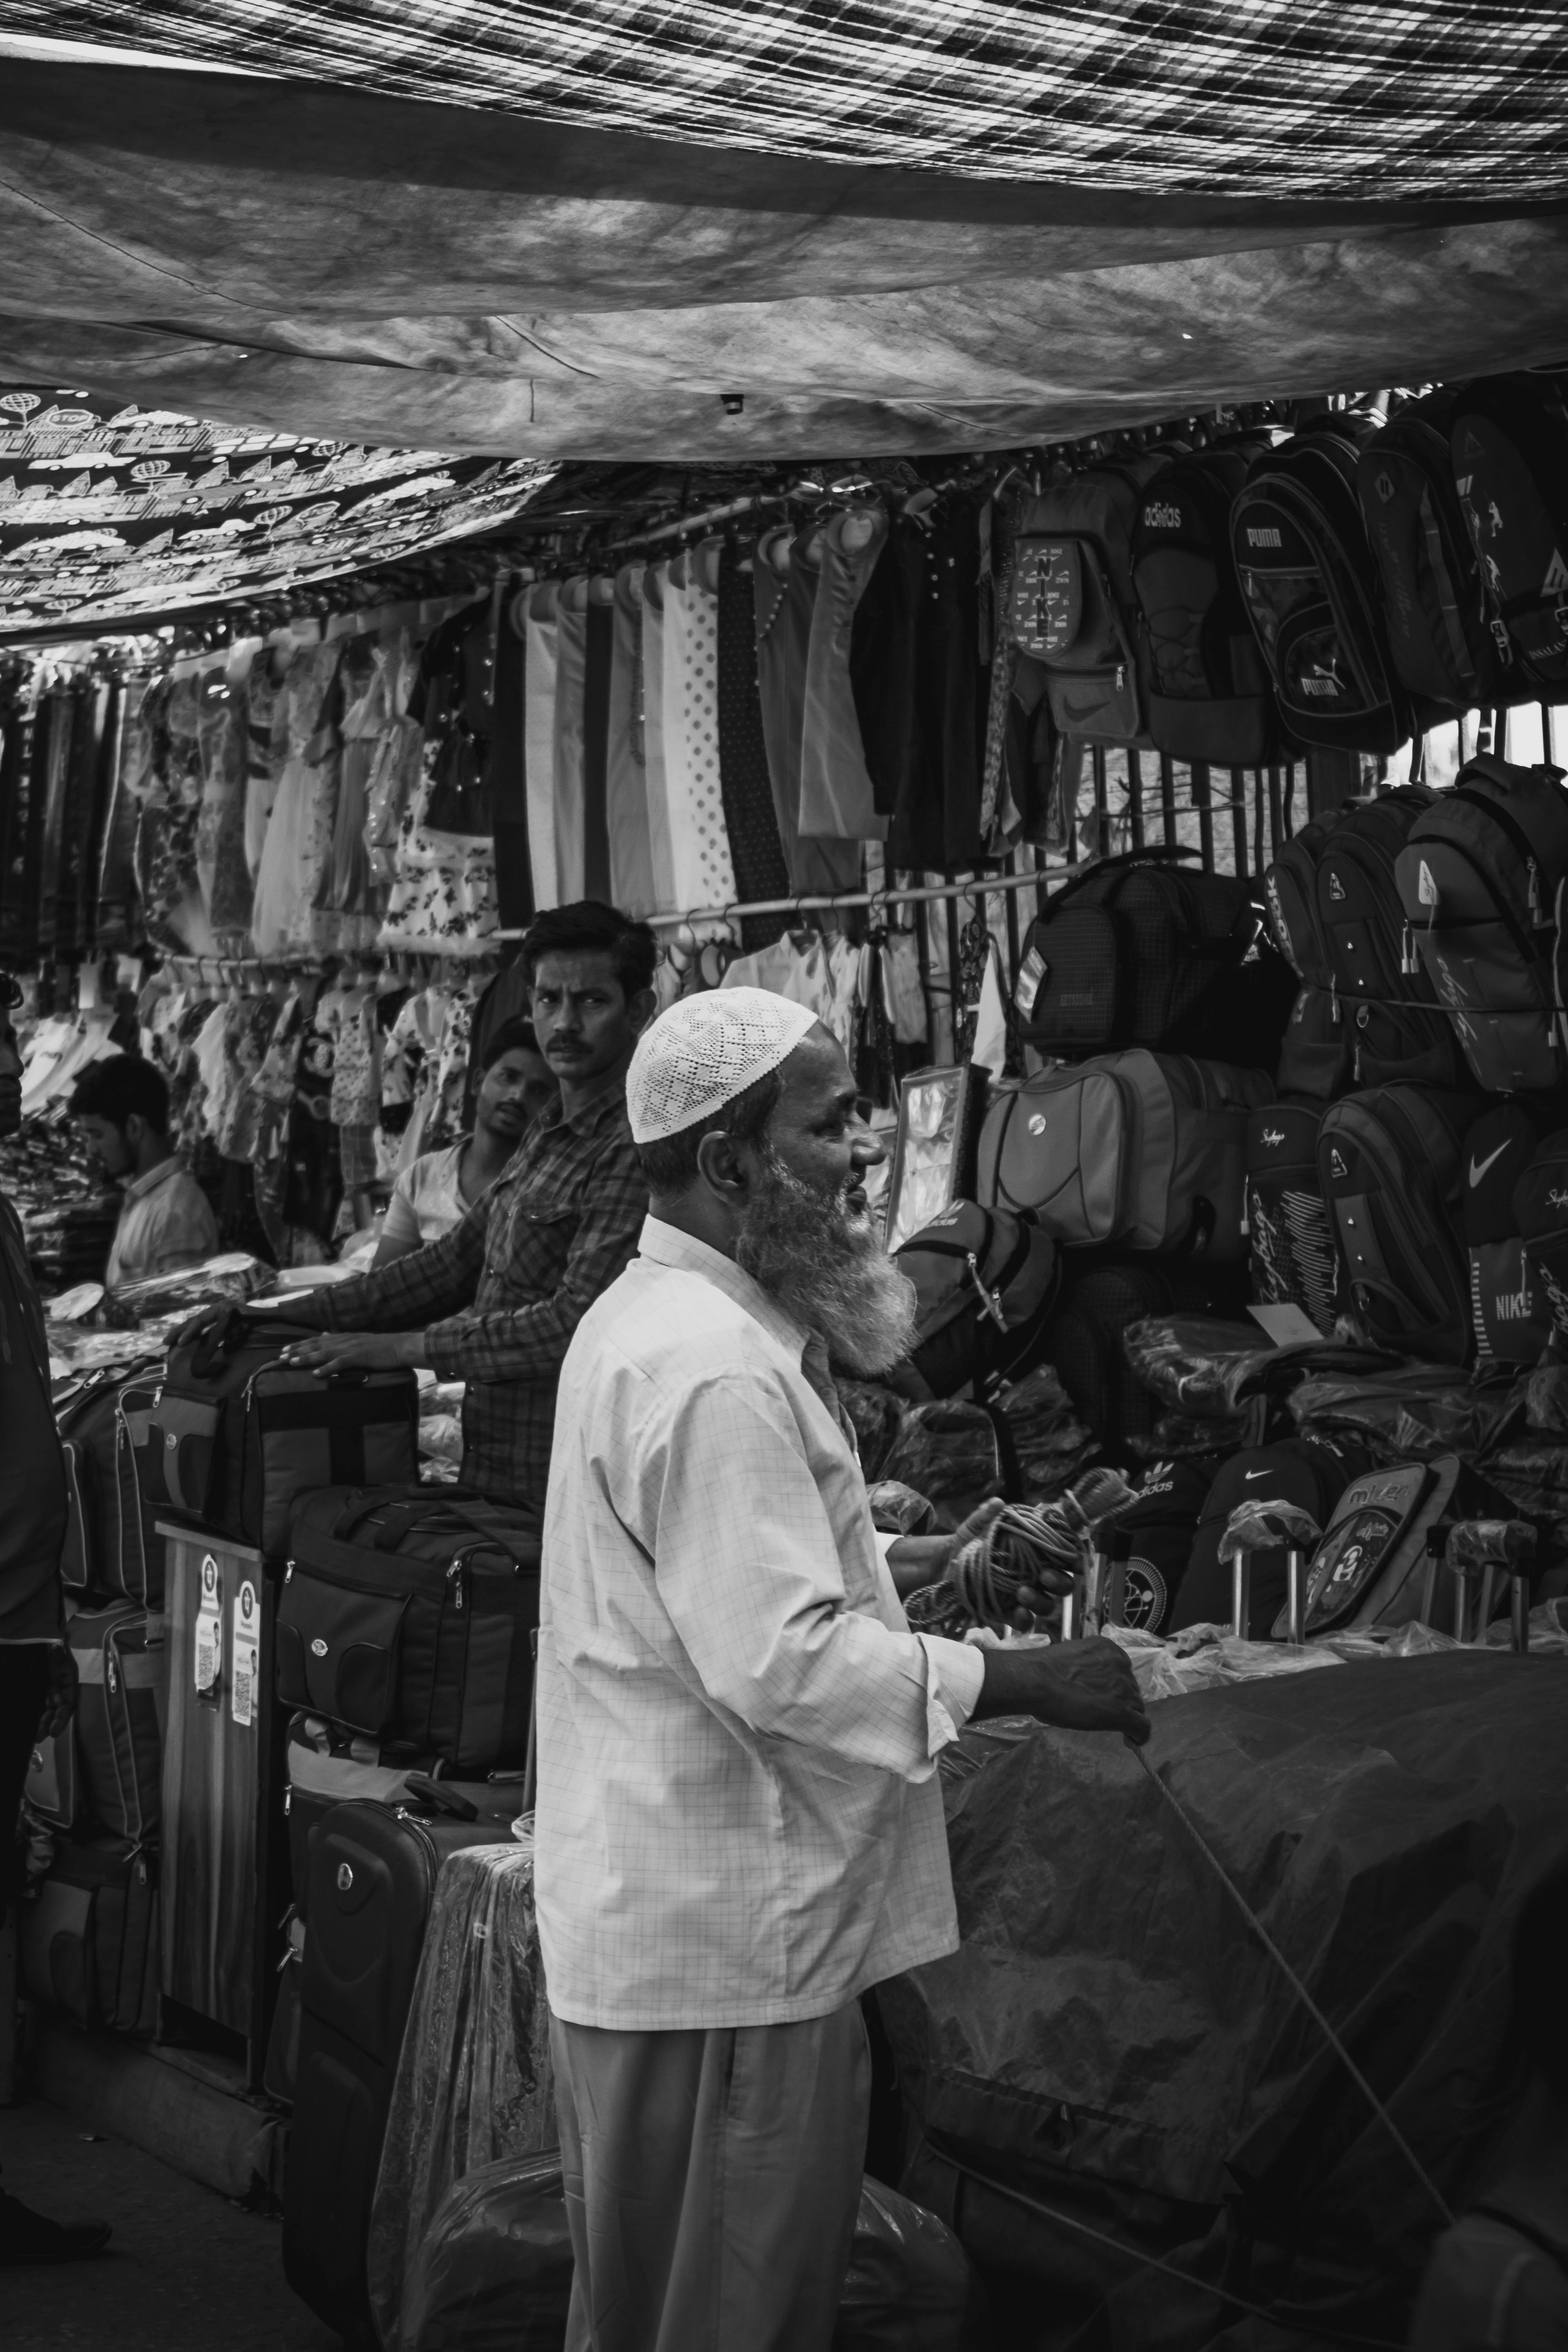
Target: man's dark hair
x,y
515,1036
589,928
670,1164
122,1088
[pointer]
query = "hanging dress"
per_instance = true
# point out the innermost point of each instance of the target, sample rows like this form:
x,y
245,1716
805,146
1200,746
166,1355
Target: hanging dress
x,y
699,841
540,670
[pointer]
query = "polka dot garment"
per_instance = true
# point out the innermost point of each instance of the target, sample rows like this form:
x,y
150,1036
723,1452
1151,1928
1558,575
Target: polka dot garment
x,y
704,869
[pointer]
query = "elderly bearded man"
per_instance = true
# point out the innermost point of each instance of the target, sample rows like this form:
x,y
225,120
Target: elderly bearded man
x,y
739,1825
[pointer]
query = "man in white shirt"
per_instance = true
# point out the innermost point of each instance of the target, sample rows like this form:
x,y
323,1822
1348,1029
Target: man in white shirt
x,y
738,1823
166,1221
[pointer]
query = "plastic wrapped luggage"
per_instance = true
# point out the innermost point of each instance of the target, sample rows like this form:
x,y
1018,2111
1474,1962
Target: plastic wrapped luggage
x,y
473,2082
405,1615
235,1437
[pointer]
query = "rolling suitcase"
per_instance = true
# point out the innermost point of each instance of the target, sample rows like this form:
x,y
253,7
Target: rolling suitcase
x,y
104,1431
372,1877
122,1706
89,1936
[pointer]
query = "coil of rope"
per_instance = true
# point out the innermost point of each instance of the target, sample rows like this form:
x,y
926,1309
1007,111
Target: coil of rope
x,y
1042,1544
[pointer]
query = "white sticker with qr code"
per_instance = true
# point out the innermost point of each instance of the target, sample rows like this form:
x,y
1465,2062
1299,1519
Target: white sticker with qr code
x,y
245,1654
208,1648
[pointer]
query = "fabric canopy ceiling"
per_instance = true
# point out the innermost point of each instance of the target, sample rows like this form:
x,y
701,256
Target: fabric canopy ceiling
x,y
106,517
570,230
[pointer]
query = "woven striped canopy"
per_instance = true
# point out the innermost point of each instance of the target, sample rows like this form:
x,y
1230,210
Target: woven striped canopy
x,y
706,230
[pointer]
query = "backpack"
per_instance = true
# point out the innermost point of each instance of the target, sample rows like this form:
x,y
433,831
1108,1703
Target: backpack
x,y
1399,1036
1309,1472
1290,1236
1540,1216
1159,1527
1307,573
1370,1567
1391,1165
1209,696
983,1278
1099,1300
1126,951
1145,1150
1509,436
236,1435
1481,879
1073,606
1291,886
1317,1055
103,1422
1508,1309
1434,597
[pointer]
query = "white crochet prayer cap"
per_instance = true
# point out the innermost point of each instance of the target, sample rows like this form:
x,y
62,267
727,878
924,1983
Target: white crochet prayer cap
x,y
703,1052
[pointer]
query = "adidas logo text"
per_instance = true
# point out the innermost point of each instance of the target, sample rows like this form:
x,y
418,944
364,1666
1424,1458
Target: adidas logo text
x,y
1161,518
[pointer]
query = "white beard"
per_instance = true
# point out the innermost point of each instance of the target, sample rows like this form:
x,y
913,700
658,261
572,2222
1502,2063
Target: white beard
x,y
827,1270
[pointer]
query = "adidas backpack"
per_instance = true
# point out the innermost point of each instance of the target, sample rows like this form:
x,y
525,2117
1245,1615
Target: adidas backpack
x,y
1398,1034
1434,597
1209,695
1482,881
1307,575
1391,1166
1508,436
1073,606
1127,949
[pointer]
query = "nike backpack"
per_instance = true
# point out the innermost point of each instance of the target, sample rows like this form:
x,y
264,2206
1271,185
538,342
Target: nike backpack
x,y
1310,1472
1210,699
1481,879
1317,1053
983,1280
1398,1035
1508,1306
1541,1215
1309,577
1392,1168
1508,436
1290,1238
1073,606
1126,951
1145,1150
1434,595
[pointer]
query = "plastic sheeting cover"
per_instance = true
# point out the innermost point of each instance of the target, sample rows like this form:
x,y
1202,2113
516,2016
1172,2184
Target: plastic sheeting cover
x,y
474,2080
1111,2023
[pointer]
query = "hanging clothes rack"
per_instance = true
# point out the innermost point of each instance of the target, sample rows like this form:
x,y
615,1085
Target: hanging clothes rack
x,y
1044,878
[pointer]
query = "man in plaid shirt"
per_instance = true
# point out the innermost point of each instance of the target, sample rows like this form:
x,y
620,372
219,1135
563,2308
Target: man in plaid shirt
x,y
497,1301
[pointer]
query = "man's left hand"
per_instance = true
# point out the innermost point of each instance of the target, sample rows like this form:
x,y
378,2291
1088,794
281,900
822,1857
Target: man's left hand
x,y
354,1351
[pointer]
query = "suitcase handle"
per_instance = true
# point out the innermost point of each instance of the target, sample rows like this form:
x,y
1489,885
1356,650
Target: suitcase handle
x,y
439,1798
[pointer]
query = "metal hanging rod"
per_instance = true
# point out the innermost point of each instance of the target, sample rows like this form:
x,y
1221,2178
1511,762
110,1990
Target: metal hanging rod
x,y
1045,877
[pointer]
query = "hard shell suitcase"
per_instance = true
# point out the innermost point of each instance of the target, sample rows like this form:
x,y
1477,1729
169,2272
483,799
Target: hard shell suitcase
x,y
90,1935
373,1876
236,1436
1289,1233
1482,879
405,1614
121,1711
1391,1165
104,1425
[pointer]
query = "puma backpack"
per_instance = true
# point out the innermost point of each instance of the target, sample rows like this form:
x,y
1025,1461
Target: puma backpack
x,y
1481,879
1209,696
1309,578
1508,436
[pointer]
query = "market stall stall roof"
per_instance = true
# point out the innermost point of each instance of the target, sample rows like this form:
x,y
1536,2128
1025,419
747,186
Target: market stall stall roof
x,y
597,230
109,514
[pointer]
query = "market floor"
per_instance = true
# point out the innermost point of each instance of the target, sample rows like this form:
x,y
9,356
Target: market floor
x,y
186,2269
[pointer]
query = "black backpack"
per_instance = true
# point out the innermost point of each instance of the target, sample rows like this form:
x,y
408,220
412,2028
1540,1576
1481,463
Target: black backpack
x,y
1209,695
1309,1472
1290,886
1391,1165
1541,1215
1073,606
1160,1525
1509,436
1308,575
1128,951
1509,1308
1289,1233
1100,1297
984,1279
1481,879
1398,1034
1434,597
1317,1053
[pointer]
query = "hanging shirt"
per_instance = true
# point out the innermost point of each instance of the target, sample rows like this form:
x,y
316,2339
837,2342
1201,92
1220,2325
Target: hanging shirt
x,y
738,1819
166,1222
32,1472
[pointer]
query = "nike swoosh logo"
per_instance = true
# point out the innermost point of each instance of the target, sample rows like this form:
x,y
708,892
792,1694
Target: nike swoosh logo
x,y
1476,1174
1251,1475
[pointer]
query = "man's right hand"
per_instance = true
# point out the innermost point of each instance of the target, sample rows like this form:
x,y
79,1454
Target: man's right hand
x,y
1076,1686
206,1319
